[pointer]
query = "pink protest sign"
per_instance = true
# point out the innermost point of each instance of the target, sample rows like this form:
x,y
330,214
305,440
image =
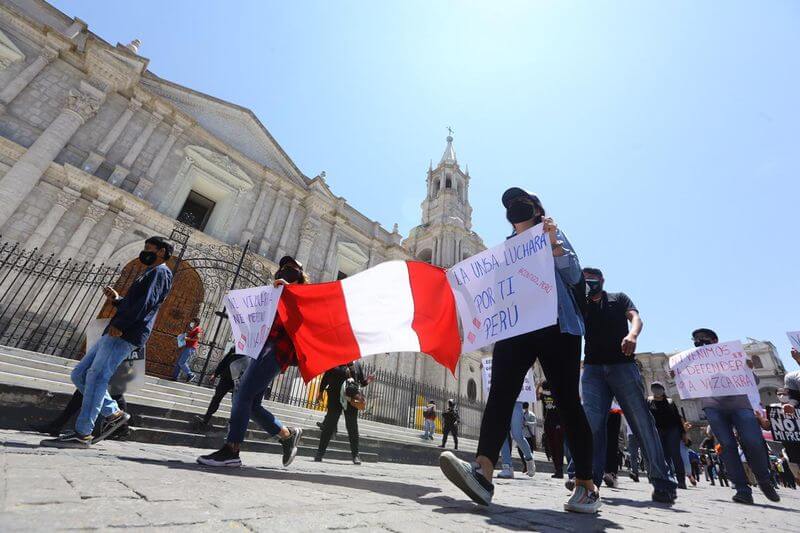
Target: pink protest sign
x,y
714,370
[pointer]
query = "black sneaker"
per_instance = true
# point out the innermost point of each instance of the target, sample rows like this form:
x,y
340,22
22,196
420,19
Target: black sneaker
x,y
634,477
743,497
225,456
70,439
290,445
317,458
201,423
557,476
663,496
682,484
769,491
111,424
356,460
466,477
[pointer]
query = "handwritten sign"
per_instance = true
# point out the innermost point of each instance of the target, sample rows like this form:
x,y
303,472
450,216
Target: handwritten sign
x,y
785,428
251,312
526,394
794,338
714,370
507,290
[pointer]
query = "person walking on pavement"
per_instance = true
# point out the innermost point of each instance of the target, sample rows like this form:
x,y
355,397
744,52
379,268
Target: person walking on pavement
x,y
450,421
726,414
670,431
518,436
224,386
553,430
558,349
127,332
610,371
429,423
528,433
276,356
192,340
334,382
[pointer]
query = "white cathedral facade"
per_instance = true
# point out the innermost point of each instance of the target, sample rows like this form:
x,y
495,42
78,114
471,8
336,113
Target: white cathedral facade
x,y
97,153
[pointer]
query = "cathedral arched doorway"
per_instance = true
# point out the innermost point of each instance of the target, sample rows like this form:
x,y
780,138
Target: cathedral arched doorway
x,y
182,304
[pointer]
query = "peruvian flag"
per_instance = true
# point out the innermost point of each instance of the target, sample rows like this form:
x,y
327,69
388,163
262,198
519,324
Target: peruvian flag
x,y
397,306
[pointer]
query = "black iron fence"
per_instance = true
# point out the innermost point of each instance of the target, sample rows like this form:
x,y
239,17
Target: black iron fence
x,y
47,303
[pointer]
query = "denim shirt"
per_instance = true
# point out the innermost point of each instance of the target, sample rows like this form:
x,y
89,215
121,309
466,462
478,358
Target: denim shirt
x,y
568,273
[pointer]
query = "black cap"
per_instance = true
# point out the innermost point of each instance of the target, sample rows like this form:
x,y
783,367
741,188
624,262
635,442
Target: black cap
x,y
515,192
289,259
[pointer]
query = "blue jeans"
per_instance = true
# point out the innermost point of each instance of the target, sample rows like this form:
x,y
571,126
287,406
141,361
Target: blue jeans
x,y
602,383
247,399
722,422
91,377
183,362
517,422
633,453
428,428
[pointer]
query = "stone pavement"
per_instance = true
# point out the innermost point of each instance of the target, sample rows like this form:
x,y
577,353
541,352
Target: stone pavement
x,y
120,484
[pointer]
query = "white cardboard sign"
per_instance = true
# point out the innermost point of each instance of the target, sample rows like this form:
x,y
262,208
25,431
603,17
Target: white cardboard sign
x,y
794,338
507,290
526,394
251,312
714,370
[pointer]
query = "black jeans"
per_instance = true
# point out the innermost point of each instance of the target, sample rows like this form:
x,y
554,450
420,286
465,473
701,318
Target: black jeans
x,y
613,423
555,442
559,354
223,387
671,443
447,430
74,406
332,420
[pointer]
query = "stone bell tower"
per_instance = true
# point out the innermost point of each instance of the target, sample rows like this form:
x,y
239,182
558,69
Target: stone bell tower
x,y
445,236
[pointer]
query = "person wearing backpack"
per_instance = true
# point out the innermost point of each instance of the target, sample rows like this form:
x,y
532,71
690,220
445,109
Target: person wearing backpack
x,y
342,384
429,424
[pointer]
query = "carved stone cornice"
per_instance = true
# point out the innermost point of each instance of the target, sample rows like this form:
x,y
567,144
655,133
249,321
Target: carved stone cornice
x,y
66,197
122,221
220,166
119,71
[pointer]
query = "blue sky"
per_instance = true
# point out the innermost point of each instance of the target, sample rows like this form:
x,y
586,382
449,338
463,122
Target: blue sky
x,y
662,136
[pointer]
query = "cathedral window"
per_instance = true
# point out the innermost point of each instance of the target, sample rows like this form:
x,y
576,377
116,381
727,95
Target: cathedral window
x,y
196,210
448,184
472,390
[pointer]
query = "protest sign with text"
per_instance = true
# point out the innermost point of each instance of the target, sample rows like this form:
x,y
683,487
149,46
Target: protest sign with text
x,y
785,428
526,394
714,370
507,290
794,338
251,312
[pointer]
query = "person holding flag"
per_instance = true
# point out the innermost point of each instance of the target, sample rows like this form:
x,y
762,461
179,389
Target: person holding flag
x,y
277,354
558,348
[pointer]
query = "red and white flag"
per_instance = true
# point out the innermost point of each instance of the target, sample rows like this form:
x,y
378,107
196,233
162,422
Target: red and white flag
x,y
397,306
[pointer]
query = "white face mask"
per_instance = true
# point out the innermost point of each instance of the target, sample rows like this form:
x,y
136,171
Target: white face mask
x,y
783,398
191,324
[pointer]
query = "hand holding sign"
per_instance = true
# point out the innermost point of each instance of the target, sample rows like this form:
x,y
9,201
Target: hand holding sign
x,y
251,312
507,290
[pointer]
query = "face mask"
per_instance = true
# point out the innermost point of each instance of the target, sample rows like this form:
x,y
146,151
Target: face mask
x,y
520,212
147,258
191,324
783,398
593,287
703,342
289,275
658,391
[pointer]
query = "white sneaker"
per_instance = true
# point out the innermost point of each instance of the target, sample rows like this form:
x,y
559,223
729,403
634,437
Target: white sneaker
x,y
467,477
506,473
531,467
583,501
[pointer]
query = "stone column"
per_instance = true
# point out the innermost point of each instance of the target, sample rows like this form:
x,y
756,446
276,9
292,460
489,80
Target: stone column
x,y
279,199
96,157
122,170
66,198
20,180
146,182
373,254
16,86
330,256
286,229
91,217
249,231
307,235
121,223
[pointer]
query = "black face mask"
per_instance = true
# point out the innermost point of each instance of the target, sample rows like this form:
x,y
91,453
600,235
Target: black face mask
x,y
288,274
520,212
703,342
593,287
658,391
147,258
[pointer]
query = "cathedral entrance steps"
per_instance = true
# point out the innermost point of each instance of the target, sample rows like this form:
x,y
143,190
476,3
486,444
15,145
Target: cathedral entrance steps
x,y
164,412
